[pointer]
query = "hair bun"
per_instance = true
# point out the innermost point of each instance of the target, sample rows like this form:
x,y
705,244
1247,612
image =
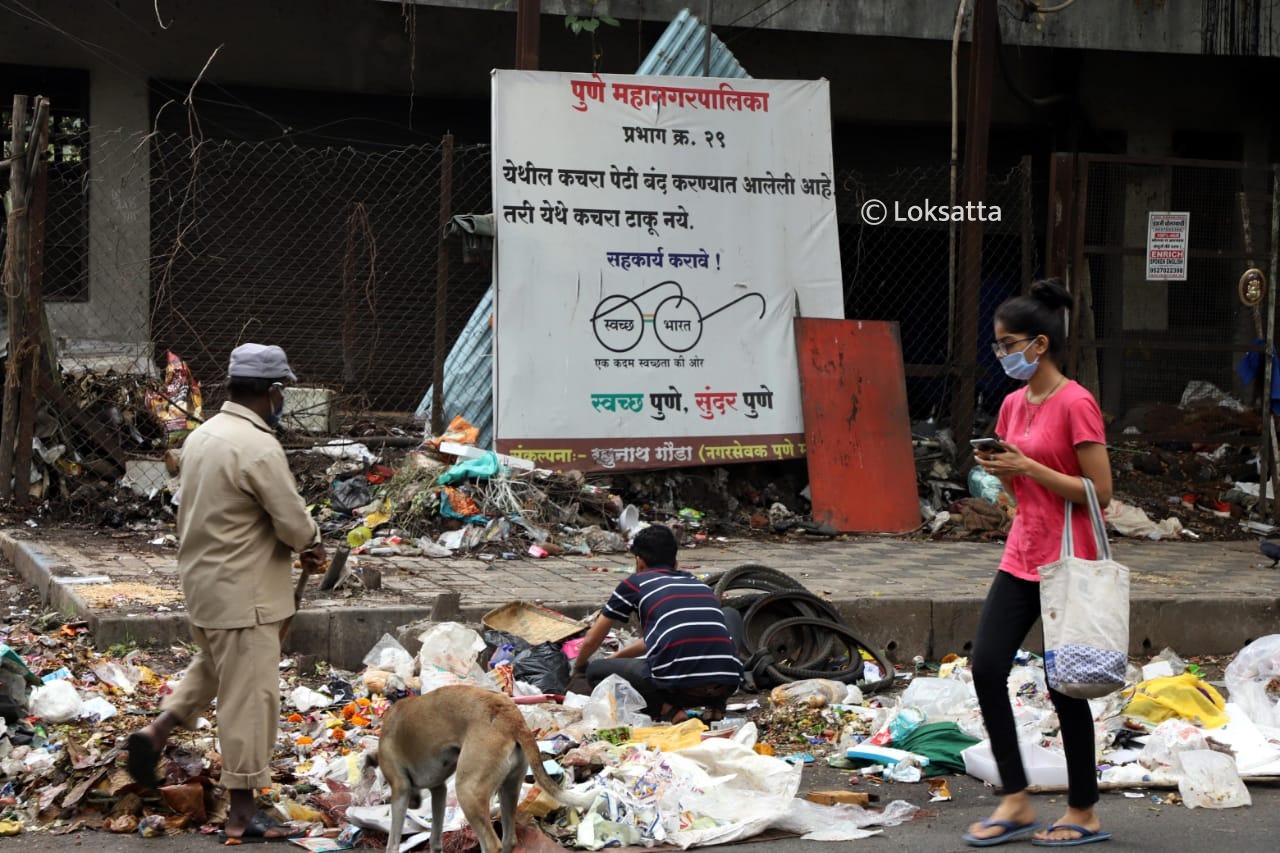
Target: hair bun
x,y
1051,292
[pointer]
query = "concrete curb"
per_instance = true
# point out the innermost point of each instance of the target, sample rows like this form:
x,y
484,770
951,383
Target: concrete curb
x,y
904,626
43,571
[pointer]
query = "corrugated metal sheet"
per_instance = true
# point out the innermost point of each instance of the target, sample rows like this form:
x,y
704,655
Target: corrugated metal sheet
x,y
468,370
681,52
468,375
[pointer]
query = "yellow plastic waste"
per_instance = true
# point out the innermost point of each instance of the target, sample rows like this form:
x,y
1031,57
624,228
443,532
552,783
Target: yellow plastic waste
x,y
297,811
671,738
1178,696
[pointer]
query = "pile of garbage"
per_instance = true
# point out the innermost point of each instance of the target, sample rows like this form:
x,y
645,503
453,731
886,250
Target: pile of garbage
x,y
1202,486
66,711
449,497
1168,729
61,768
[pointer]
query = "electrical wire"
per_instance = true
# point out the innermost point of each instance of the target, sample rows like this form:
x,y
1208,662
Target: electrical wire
x,y
749,12
1049,10
761,22
114,59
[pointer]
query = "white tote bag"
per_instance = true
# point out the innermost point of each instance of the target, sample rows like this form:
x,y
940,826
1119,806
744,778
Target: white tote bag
x,y
1084,605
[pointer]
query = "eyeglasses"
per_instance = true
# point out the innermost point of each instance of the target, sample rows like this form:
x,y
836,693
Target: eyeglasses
x,y
1001,348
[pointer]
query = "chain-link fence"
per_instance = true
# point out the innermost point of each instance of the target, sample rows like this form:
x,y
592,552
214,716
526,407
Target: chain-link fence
x,y
331,253
1154,332
899,269
170,242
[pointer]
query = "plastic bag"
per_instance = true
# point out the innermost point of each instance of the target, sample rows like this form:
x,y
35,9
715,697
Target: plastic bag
x,y
1179,696
543,666
458,431
452,647
671,738
939,698
481,468
1169,739
177,406
811,693
306,699
388,654
123,678
1210,781
987,486
350,494
614,702
1249,674
459,505
56,702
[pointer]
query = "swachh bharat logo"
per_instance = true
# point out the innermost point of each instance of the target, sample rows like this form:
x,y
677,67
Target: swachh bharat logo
x,y
876,212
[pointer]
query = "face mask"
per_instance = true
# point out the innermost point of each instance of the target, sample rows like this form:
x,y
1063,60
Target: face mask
x,y
1017,366
273,419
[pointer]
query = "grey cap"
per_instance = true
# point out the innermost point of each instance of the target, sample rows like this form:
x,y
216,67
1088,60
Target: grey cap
x,y
256,361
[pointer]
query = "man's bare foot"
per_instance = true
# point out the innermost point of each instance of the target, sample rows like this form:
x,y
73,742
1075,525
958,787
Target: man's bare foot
x,y
1084,818
1014,808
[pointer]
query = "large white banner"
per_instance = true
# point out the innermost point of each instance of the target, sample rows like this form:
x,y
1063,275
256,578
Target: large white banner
x,y
656,237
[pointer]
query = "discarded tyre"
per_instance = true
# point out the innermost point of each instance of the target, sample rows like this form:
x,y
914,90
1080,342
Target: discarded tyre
x,y
847,668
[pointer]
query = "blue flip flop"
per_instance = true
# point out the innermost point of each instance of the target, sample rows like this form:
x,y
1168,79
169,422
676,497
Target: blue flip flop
x,y
1012,832
1086,836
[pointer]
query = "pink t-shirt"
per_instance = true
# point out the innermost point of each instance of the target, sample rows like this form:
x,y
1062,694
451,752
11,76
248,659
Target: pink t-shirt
x,y
1049,434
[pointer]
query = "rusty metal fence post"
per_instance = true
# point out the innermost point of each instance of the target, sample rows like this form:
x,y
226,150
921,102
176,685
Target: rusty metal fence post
x,y
1268,429
442,284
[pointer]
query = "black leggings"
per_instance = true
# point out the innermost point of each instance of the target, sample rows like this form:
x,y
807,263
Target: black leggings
x,y
1012,607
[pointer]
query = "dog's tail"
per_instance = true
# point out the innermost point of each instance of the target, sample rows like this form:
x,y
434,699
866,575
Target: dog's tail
x,y
577,799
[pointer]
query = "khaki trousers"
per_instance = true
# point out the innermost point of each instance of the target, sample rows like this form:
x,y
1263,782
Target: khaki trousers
x,y
241,666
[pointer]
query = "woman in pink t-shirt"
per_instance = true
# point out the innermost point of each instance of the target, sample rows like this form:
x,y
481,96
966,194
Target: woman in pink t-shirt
x,y
1052,435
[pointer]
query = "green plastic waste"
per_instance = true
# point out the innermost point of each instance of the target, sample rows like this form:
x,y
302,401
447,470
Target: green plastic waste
x,y
941,743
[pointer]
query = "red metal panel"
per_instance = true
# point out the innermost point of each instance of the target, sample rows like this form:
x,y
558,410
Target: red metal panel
x,y
862,475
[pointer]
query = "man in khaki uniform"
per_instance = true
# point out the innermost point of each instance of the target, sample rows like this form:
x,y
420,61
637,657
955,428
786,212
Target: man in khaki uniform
x,y
240,518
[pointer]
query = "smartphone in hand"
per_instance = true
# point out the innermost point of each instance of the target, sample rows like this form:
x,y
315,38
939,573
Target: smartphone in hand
x,y
987,445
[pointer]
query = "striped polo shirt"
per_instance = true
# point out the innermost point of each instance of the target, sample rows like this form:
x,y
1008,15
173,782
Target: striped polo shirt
x,y
687,643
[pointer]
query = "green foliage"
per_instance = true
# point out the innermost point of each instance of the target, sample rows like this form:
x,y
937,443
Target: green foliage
x,y
590,23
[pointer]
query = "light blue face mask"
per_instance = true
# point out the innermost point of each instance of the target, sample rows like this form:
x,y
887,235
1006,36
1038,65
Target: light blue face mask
x,y
1016,365
273,419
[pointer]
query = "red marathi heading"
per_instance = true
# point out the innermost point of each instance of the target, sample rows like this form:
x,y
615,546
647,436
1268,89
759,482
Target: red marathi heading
x,y
638,96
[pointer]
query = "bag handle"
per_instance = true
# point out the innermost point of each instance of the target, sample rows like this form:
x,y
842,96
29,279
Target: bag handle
x,y
1095,518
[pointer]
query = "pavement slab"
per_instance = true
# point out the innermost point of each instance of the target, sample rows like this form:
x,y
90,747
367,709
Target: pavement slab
x,y
909,596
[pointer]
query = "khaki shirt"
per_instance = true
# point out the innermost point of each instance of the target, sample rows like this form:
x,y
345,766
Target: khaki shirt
x,y
240,517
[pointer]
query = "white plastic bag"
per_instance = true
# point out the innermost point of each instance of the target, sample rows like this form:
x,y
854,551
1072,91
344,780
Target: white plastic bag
x,y
452,647
1248,675
1209,780
1084,605
1170,739
388,654
939,698
809,693
56,702
614,702
305,699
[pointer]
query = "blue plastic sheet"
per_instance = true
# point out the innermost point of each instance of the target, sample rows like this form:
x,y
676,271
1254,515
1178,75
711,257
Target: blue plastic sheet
x,y
1251,365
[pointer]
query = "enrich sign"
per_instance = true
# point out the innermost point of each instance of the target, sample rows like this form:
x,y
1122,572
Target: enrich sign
x,y
655,239
1167,245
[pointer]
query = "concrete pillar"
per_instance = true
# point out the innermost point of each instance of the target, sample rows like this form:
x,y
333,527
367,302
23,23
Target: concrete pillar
x,y
118,310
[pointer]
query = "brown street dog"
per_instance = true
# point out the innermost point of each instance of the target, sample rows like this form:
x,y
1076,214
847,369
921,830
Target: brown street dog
x,y
479,734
